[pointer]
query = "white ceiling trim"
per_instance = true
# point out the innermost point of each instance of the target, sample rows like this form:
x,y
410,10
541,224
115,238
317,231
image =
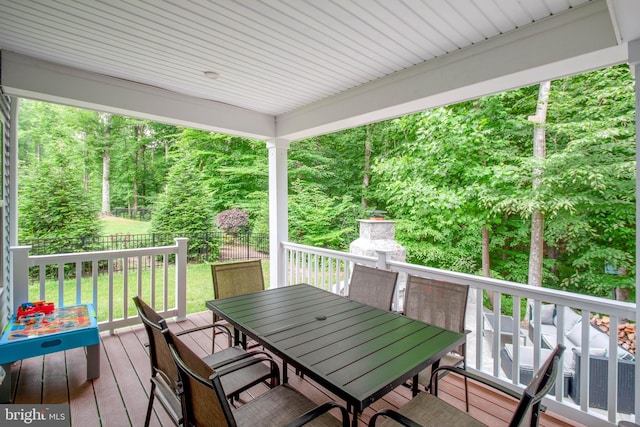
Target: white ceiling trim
x,y
496,65
27,77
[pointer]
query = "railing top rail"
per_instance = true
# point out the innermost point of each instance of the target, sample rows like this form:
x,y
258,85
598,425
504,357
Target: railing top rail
x,y
583,302
37,260
570,299
331,253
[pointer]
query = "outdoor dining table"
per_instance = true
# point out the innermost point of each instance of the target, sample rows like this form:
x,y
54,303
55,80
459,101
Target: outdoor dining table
x,y
357,352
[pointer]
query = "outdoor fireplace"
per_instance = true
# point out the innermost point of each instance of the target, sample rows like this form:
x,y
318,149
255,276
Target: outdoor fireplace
x,y
377,239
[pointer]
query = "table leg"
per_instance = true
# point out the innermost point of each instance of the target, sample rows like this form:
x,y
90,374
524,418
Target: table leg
x,y
414,386
236,337
285,377
354,419
93,361
5,386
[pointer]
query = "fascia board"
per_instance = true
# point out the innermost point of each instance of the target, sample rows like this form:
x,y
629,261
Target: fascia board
x,y
28,77
570,43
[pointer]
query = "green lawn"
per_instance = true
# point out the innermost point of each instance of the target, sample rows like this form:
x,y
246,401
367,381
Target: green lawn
x,y
199,282
114,225
199,290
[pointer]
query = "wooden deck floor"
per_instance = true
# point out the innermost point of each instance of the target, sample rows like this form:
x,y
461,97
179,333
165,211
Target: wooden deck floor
x,y
119,397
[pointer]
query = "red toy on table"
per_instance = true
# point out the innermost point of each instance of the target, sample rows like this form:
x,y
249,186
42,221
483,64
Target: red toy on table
x,y
33,308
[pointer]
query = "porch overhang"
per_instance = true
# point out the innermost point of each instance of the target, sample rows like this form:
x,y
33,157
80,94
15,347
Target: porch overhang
x,y
587,38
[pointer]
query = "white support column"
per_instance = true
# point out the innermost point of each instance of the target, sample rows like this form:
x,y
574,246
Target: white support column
x,y
278,209
19,275
634,62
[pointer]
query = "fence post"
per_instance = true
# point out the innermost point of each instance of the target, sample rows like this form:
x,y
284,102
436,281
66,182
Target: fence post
x,y
181,277
19,276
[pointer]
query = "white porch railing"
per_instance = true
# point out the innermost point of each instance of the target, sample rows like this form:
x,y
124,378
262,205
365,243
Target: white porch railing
x,y
331,270
166,295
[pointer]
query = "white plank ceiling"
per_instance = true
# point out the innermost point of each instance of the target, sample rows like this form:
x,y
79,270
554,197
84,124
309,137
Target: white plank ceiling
x,y
272,56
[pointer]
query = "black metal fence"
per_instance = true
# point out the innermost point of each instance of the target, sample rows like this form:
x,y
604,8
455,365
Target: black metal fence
x,y
203,246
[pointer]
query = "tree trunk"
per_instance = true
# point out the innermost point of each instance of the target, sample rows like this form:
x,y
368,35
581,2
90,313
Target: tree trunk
x,y
135,184
138,133
486,259
536,253
106,188
106,165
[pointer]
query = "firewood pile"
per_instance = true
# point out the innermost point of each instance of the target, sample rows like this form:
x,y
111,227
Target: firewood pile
x,y
626,332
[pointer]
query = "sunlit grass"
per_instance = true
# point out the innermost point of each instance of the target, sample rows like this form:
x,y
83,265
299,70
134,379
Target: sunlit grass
x,y
115,225
199,290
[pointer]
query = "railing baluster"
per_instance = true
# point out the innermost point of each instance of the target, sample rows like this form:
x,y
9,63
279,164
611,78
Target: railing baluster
x,y
110,278
94,277
125,287
139,273
79,282
152,283
42,281
497,327
165,282
612,369
515,373
61,284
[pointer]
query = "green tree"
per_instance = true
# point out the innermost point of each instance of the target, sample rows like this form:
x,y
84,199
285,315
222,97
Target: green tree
x,y
184,205
320,220
54,202
235,170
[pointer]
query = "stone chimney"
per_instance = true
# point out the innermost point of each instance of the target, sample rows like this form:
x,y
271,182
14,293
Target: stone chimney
x,y
377,235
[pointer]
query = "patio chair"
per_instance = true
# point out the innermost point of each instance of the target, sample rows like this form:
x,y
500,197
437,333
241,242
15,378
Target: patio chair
x,y
164,375
204,404
442,304
373,286
231,279
236,278
428,410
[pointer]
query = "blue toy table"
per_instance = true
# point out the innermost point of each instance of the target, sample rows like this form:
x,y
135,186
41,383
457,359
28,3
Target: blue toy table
x,y
65,328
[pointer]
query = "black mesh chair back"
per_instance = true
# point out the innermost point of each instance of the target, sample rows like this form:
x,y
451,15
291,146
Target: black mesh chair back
x,y
203,399
164,375
542,382
237,278
437,303
373,286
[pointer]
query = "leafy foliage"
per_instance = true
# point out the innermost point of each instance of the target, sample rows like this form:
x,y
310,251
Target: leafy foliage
x,y
470,165
443,175
183,207
319,220
54,200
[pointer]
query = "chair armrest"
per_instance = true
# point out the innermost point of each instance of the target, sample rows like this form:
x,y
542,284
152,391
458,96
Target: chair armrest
x,y
396,416
319,410
462,372
222,328
244,362
239,357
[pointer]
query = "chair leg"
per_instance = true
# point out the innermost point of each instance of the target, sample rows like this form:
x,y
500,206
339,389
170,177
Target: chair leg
x,y
466,393
152,394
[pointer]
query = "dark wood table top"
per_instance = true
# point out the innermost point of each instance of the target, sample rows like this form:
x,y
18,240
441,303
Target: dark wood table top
x,y
356,351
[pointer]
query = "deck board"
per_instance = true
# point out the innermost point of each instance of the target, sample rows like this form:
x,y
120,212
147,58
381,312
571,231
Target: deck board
x,y
119,397
54,382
